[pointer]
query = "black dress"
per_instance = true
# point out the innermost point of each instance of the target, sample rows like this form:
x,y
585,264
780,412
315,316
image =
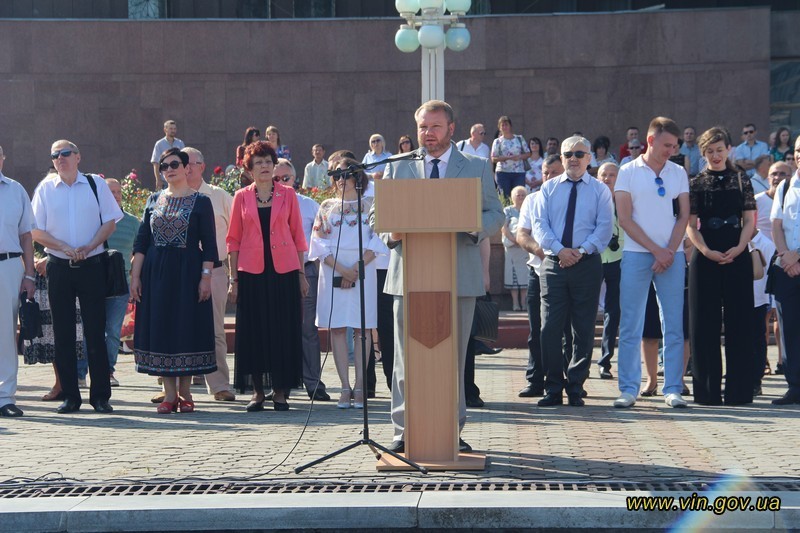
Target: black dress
x,y
718,202
173,332
269,322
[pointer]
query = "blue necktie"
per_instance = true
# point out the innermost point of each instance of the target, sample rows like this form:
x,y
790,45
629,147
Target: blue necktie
x,y
566,239
435,169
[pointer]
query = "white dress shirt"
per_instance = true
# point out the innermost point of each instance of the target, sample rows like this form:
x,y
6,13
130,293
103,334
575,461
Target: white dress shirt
x,y
70,213
481,151
443,159
790,214
308,212
16,215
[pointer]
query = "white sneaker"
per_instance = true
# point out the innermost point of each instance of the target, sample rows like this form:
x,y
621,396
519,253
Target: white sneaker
x,y
675,400
113,380
626,399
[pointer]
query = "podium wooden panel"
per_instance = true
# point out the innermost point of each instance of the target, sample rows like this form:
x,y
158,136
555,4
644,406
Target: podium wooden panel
x,y
429,213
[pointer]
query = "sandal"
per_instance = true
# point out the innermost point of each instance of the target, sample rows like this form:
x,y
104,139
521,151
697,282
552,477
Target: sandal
x,y
358,398
165,407
345,398
53,396
652,391
186,406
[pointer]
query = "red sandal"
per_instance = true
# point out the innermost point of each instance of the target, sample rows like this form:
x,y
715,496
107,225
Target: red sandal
x,y
165,408
186,406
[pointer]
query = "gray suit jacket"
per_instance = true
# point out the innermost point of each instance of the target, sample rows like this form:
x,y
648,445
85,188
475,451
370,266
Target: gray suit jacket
x,y
469,269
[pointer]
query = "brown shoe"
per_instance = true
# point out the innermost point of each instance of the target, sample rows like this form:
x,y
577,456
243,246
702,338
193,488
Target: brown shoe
x,y
198,380
224,396
158,398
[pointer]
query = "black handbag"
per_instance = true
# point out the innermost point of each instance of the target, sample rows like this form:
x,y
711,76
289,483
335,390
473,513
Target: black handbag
x,y
486,322
113,262
30,320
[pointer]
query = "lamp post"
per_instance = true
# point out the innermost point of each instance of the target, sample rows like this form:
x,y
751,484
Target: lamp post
x,y
429,16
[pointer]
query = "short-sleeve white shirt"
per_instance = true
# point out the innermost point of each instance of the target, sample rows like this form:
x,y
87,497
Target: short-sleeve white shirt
x,y
481,151
71,213
16,215
764,207
790,213
653,213
308,212
526,222
162,145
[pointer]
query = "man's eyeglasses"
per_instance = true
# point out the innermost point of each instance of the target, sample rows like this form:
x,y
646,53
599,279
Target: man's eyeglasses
x,y
61,153
481,133
579,154
634,147
661,190
172,164
748,132
285,178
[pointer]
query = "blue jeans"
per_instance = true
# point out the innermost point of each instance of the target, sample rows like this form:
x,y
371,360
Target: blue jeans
x,y
508,180
115,314
635,284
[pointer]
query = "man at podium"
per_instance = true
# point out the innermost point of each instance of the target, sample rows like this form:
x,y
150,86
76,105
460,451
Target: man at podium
x,y
442,160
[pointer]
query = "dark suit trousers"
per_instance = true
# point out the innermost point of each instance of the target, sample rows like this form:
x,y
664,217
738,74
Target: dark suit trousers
x,y
311,345
569,293
787,292
534,373
87,283
611,312
386,335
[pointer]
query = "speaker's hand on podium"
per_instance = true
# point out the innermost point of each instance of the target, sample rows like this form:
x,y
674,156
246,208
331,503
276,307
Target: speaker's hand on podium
x,y
396,236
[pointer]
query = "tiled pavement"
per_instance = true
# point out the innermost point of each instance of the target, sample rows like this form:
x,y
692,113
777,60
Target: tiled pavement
x,y
650,442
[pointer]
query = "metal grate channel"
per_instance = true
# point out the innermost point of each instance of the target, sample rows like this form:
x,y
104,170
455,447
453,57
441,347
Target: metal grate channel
x,y
60,490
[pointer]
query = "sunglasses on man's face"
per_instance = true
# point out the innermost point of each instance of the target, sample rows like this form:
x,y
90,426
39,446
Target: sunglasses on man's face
x,y
172,164
285,178
748,132
579,154
61,153
634,147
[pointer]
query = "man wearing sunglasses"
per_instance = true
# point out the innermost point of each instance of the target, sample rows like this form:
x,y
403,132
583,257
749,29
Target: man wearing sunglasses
x,y
72,224
647,192
573,222
475,145
16,280
218,382
745,154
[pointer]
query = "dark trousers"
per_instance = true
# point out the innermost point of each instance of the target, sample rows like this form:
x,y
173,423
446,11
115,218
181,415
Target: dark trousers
x,y
87,283
386,334
787,292
759,343
569,293
713,287
534,373
611,312
311,344
471,390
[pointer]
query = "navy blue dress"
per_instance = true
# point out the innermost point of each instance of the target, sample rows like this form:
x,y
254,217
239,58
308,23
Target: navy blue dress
x,y
173,332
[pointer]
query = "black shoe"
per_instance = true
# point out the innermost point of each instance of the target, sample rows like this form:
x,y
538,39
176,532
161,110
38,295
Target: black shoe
x,y
280,406
575,400
319,396
757,391
687,392
474,401
787,399
254,406
531,391
269,395
463,446
605,373
10,410
550,399
68,406
397,446
103,407
584,394
778,370
370,394
481,348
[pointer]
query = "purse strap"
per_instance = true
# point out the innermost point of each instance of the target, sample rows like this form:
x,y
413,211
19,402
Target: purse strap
x,y
90,178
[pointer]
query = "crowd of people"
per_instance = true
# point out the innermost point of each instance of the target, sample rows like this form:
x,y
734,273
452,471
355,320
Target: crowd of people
x,y
668,228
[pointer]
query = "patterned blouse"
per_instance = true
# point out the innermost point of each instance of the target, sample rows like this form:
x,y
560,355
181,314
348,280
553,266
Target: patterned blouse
x,y
505,147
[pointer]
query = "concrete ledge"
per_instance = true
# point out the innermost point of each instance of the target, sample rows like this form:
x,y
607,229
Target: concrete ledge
x,y
517,511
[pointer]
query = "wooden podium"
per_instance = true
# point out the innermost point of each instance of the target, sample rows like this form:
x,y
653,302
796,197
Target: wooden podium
x,y
430,213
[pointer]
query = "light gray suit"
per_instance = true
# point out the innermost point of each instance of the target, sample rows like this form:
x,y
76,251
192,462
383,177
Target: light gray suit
x,y
469,270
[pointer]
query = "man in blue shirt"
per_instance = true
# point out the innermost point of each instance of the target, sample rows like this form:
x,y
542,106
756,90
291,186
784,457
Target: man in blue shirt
x,y
573,219
690,149
745,154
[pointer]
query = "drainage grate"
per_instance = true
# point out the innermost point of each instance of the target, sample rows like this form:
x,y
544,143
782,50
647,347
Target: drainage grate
x,y
56,490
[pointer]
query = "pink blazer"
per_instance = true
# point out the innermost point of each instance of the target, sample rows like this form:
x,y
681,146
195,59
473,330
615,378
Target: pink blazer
x,y
286,231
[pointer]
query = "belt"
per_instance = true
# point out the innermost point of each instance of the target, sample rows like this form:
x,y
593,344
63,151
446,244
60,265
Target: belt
x,y
95,259
9,255
719,223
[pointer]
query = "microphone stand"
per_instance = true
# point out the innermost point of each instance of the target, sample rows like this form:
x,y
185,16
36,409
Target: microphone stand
x,y
353,171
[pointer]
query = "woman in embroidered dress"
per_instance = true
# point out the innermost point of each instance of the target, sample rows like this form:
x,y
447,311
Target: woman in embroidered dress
x,y
265,246
334,241
171,283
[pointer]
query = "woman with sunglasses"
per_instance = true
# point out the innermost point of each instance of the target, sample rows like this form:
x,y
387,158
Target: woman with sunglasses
x,y
334,241
171,283
721,224
405,144
265,248
377,152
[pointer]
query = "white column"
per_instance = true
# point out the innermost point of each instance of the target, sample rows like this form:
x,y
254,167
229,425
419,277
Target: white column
x,y
432,74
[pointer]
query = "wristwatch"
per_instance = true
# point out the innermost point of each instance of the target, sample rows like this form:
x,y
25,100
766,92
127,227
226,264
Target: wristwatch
x,y
205,272
32,278
582,250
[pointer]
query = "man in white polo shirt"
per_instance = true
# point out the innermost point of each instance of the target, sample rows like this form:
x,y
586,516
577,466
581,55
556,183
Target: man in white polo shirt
x,y
16,277
475,145
72,224
652,198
